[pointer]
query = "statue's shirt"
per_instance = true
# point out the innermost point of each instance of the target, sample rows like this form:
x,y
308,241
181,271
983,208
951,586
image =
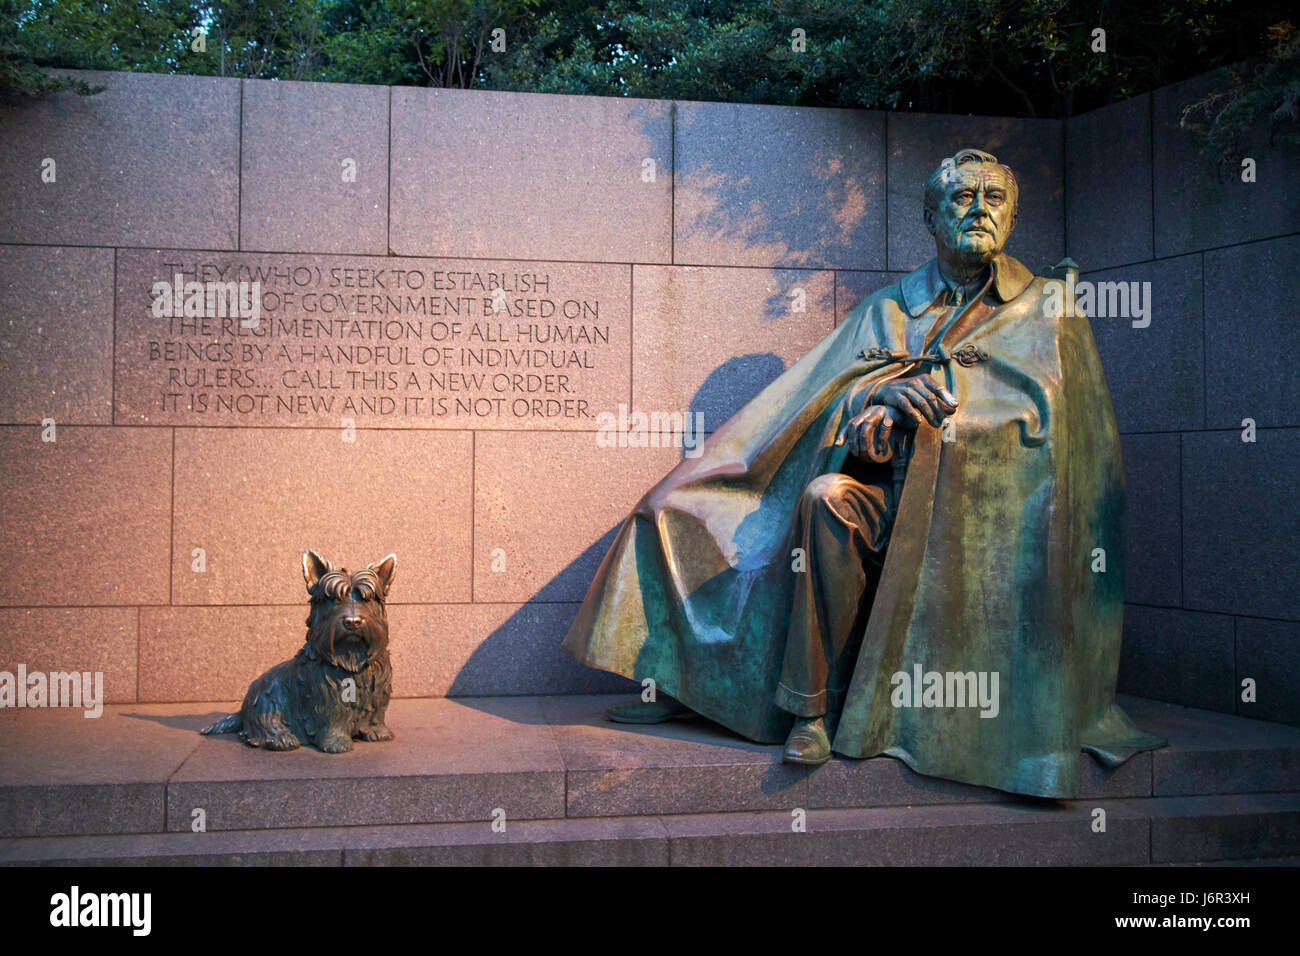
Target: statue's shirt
x,y
929,294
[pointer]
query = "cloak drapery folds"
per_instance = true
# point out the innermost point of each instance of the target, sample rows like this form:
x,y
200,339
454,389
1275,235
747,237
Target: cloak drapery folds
x,y
989,570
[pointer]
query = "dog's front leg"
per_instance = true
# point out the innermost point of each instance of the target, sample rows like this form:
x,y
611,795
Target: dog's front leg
x,y
375,729
372,726
330,721
378,678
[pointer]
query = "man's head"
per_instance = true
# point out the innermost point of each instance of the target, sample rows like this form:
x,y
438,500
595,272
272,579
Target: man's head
x,y
970,209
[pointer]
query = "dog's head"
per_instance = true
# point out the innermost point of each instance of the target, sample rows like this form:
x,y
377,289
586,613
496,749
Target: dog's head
x,y
347,626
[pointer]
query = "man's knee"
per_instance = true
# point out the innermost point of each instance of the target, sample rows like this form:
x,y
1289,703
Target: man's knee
x,y
834,490
827,490
848,500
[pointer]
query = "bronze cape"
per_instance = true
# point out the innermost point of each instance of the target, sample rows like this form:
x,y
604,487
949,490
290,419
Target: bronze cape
x,y
989,567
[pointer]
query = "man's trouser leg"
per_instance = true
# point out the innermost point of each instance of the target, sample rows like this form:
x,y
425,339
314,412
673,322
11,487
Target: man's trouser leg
x,y
842,525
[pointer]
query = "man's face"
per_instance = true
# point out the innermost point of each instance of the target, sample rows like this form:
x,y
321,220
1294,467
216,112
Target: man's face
x,y
976,213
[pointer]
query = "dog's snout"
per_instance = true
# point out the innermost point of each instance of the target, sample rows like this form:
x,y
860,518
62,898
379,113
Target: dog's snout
x,y
352,623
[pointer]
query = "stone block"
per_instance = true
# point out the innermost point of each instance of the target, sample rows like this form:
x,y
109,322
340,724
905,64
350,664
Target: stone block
x,y
779,186
1250,296
151,161
295,847
87,516
1268,652
1155,372
298,193
1029,834
252,499
1153,574
63,774
540,534
1211,753
708,340
679,767
887,782
1108,185
450,761
1238,557
615,842
214,653
1191,766
39,810
56,335
1193,829
492,649
87,640
1178,656
491,174
1130,779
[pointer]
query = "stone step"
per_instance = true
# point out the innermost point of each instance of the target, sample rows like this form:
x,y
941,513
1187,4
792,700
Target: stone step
x,y
143,768
1151,831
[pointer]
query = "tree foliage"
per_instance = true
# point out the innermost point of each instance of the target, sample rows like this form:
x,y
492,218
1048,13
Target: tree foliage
x,y
36,35
1249,95
1005,57
1029,58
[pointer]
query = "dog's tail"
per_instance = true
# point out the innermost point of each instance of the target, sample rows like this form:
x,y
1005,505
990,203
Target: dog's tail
x,y
226,725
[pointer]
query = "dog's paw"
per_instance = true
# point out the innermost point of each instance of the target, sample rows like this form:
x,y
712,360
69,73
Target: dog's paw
x,y
336,743
377,732
283,741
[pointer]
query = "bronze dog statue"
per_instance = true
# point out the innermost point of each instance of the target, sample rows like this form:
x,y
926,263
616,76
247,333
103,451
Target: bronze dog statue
x,y
337,687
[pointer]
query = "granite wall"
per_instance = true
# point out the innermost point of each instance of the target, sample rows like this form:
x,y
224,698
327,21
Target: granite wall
x,y
662,256
1214,575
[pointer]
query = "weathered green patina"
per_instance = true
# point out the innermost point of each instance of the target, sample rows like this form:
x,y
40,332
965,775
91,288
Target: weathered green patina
x,y
990,569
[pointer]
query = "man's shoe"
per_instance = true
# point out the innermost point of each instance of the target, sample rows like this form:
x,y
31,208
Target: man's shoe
x,y
655,712
808,743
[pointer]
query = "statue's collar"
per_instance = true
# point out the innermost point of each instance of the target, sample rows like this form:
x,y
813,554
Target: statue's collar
x,y
920,288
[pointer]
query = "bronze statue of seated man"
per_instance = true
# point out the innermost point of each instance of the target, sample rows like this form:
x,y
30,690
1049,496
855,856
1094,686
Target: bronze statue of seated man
x,y
910,543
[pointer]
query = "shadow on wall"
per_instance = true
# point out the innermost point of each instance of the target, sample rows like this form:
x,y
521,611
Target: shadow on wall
x,y
761,186
732,385
810,207
729,387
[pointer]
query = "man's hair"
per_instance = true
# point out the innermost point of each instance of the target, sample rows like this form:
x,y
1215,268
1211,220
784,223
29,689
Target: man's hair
x,y
934,186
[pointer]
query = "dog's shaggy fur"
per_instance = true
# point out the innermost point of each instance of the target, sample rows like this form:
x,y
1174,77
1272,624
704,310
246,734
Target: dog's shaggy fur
x,y
337,687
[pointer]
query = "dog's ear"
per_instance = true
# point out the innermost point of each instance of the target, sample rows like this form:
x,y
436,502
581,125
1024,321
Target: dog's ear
x,y
313,567
384,569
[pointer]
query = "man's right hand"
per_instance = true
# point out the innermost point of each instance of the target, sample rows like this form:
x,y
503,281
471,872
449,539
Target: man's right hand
x,y
867,433
915,399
